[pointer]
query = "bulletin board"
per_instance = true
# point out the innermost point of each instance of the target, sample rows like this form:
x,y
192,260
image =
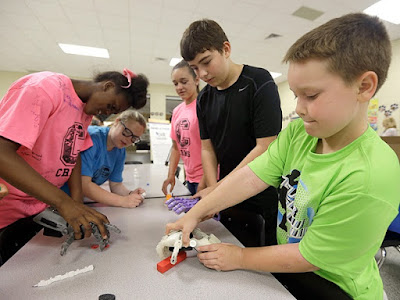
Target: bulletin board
x,y
160,141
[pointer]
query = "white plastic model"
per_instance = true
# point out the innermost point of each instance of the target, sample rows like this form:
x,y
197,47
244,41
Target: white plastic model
x,y
66,275
174,239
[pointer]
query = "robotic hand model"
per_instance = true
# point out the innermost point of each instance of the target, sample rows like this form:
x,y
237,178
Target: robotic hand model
x,y
182,204
51,219
171,243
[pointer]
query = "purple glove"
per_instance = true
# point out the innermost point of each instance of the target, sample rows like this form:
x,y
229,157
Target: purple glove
x,y
182,204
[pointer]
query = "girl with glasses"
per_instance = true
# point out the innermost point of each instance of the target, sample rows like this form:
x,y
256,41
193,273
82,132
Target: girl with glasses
x,y
105,160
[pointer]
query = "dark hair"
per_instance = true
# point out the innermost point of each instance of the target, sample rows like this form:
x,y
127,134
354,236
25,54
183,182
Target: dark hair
x,y
352,44
184,64
201,36
136,93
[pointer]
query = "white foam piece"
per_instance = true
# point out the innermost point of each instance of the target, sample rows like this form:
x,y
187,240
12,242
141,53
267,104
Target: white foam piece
x,y
66,275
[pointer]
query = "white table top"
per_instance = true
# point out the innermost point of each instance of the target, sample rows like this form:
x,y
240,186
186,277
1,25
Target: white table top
x,y
149,177
128,268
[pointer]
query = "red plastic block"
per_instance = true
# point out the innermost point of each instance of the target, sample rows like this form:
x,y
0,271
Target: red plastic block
x,y
164,265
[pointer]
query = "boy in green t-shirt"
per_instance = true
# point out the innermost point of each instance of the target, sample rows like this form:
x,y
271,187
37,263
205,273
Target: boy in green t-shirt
x,y
339,182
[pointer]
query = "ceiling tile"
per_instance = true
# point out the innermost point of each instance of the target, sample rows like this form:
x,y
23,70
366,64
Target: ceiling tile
x,y
137,32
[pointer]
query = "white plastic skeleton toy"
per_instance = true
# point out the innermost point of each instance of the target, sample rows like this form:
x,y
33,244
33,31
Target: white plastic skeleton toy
x,y
171,243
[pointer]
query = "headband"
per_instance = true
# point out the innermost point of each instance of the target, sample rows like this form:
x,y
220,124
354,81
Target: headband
x,y
129,75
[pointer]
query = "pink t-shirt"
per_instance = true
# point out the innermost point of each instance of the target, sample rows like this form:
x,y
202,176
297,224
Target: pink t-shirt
x,y
185,131
43,114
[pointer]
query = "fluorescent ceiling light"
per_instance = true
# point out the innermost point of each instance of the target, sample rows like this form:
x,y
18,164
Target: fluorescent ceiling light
x,y
83,50
275,75
387,10
174,61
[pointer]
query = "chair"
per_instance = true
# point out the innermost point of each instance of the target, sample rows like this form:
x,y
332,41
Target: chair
x,y
392,239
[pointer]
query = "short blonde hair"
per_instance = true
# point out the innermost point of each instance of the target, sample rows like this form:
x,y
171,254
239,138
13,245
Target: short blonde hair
x,y
132,115
389,123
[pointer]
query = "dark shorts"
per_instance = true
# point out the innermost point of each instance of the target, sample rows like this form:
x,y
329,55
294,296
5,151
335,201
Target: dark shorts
x,y
192,187
15,236
310,286
253,222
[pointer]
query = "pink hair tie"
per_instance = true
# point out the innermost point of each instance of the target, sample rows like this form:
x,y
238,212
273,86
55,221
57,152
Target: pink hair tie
x,y
129,75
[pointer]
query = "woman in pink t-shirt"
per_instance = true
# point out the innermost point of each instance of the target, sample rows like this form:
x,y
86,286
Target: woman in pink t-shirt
x,y
185,133
43,128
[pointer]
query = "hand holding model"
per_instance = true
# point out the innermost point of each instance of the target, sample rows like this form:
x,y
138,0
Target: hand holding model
x,y
134,198
171,243
77,215
51,218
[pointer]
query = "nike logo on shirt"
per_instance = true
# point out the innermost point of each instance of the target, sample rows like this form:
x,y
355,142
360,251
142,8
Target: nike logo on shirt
x,y
242,89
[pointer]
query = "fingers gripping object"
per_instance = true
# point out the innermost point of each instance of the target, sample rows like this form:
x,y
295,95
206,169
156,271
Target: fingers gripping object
x,y
171,243
182,204
50,218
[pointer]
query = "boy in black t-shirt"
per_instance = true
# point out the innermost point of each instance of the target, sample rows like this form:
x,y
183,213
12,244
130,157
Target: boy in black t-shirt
x,y
239,116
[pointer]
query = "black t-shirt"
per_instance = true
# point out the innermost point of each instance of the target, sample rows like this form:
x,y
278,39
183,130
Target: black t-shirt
x,y
235,117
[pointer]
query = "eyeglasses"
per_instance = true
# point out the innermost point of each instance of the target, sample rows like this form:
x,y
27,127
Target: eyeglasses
x,y
128,133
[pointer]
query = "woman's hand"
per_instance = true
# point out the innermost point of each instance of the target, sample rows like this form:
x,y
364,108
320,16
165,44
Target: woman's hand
x,y
168,181
134,198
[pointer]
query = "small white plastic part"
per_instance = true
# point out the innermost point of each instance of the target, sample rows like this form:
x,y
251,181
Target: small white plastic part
x,y
174,240
66,275
192,243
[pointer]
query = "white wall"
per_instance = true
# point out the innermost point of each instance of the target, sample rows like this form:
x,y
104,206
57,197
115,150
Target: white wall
x,y
157,92
389,93
6,79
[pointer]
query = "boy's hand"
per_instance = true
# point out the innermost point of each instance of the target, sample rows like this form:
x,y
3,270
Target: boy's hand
x,y
168,181
3,191
184,224
221,257
77,215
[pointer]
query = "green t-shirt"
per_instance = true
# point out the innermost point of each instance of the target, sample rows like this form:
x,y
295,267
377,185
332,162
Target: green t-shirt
x,y
338,206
